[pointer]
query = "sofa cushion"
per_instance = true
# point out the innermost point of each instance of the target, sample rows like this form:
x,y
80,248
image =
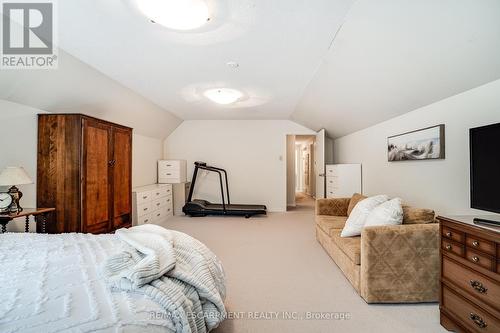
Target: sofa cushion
x,y
332,206
413,215
357,219
388,213
350,246
328,223
354,201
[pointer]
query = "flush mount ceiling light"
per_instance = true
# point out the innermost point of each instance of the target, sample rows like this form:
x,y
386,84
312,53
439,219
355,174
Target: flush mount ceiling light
x,y
223,95
175,14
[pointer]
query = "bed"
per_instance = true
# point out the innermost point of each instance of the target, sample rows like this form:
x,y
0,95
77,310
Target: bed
x,y
104,283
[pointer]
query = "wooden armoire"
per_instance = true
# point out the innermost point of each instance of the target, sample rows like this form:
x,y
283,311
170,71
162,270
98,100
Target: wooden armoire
x,y
85,172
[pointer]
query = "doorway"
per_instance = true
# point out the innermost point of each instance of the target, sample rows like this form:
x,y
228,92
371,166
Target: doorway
x,y
301,171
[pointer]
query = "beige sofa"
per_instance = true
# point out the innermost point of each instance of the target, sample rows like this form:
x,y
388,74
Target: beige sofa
x,y
386,264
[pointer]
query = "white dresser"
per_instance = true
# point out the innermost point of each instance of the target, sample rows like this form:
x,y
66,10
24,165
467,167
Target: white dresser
x,y
152,204
343,180
172,171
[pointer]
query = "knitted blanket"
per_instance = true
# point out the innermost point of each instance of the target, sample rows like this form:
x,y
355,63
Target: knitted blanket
x,y
178,272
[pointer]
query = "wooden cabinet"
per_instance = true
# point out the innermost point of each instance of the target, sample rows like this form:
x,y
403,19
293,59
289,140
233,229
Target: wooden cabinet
x,y
470,276
85,171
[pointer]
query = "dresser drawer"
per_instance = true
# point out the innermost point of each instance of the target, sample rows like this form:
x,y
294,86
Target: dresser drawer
x,y
144,209
452,247
480,244
331,170
143,197
474,318
145,219
483,288
161,192
453,234
162,214
479,259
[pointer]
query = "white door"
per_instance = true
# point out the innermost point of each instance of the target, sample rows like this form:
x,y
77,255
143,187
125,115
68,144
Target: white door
x,y
319,164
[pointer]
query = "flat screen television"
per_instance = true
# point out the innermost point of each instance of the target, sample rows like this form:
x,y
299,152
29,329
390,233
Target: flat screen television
x,y
485,167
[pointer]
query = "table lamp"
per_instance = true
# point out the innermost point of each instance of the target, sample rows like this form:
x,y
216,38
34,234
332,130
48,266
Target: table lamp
x,y
12,176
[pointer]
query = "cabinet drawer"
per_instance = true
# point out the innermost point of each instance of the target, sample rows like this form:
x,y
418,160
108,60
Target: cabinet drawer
x,y
480,244
479,259
145,219
332,181
161,192
162,214
162,202
144,209
474,318
330,170
452,247
483,288
143,197
453,234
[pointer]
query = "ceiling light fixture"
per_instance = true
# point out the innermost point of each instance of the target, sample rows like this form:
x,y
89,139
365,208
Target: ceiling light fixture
x,y
223,95
176,14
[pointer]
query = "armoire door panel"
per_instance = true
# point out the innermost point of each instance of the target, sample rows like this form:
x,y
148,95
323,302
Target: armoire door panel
x,y
122,176
96,189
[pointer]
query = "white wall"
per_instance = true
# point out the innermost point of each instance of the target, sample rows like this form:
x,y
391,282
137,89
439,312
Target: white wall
x,y
18,137
439,184
252,151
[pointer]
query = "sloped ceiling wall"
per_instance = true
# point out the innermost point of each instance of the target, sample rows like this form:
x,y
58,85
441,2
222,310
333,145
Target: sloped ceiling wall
x,y
75,87
394,56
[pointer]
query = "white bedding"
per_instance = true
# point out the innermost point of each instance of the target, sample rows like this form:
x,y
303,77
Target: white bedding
x,y
54,283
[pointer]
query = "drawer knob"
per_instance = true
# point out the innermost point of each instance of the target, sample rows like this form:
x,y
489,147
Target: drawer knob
x,y
475,243
158,204
448,234
158,214
145,197
448,247
477,320
475,259
145,209
478,286
146,221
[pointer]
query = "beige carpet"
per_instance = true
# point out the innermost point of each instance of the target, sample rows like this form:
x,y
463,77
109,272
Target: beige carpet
x,y
275,267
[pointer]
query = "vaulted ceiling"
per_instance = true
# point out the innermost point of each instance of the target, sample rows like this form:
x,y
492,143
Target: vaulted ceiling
x,y
342,65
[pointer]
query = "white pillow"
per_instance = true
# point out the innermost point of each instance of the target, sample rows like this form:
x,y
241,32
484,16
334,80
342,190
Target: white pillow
x,y
357,218
388,213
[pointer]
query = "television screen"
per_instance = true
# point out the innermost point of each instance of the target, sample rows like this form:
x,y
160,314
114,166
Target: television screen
x,y
485,167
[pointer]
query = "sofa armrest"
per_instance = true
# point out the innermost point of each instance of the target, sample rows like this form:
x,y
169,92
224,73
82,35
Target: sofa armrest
x,y
333,207
400,263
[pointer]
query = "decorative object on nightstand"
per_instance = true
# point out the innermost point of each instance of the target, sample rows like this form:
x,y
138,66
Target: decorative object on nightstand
x,y
12,176
5,202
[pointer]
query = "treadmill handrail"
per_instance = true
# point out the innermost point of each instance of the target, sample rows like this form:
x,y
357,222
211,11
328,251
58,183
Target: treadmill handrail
x,y
213,169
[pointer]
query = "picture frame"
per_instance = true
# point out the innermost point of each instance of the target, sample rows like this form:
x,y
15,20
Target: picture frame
x,y
422,144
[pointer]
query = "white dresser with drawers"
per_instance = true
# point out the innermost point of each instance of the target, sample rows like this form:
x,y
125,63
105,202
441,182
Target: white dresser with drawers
x,y
152,204
343,180
172,171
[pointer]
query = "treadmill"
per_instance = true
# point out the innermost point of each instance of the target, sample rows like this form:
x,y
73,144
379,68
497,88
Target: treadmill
x,y
198,208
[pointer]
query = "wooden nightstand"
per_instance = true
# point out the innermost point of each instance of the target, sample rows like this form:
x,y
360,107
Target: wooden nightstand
x,y
40,215
470,275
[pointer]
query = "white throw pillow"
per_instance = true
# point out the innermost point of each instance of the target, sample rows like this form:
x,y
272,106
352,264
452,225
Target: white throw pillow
x,y
357,218
388,213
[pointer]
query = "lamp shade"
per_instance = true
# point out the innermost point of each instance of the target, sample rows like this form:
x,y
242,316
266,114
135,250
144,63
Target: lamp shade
x,y
11,176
